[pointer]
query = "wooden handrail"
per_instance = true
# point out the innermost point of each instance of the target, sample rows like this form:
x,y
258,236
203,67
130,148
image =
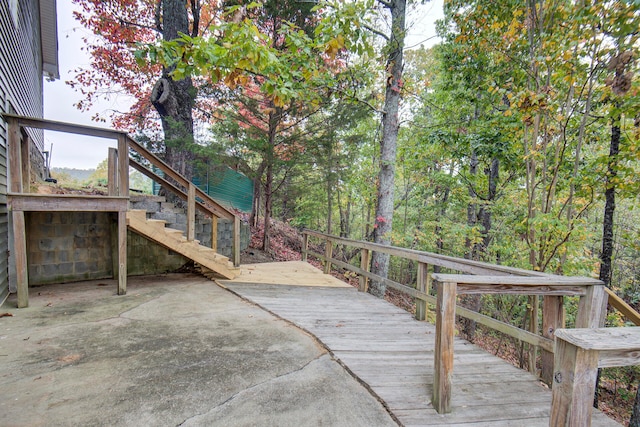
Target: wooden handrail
x,y
459,264
619,304
481,278
208,204
219,210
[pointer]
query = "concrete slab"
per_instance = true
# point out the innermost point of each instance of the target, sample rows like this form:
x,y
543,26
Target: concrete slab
x,y
176,350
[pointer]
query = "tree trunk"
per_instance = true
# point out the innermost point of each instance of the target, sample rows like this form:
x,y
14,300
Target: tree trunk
x,y
268,194
174,100
390,126
635,415
610,205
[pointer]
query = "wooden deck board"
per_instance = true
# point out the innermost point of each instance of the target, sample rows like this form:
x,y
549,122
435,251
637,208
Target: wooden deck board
x,y
393,354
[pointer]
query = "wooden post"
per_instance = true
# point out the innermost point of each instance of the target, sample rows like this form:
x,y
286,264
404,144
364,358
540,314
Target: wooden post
x,y
552,319
305,246
191,212
17,217
112,172
20,257
15,155
328,254
25,159
422,286
578,355
365,264
123,165
122,253
443,354
592,308
574,383
534,303
214,233
236,241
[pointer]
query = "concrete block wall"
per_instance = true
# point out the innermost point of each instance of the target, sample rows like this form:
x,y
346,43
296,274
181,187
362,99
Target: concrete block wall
x,y
74,246
68,246
158,208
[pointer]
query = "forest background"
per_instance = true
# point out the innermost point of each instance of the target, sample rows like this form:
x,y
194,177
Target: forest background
x,y
513,141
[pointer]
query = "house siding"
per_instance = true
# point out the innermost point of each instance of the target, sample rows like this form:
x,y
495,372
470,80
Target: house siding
x,y
20,93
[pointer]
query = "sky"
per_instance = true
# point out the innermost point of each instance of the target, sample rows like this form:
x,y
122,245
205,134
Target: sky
x,y
81,152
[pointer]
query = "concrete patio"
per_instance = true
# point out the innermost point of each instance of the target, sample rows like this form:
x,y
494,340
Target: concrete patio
x,y
176,350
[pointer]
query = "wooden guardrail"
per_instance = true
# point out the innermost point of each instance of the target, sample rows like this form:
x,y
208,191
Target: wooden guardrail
x,y
579,354
119,162
479,277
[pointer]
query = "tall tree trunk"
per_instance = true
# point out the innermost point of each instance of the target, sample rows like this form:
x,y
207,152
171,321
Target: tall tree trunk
x,y
174,99
390,126
471,302
610,205
274,120
268,203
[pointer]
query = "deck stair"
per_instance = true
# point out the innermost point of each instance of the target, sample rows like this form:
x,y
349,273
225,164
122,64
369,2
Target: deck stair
x,y
207,260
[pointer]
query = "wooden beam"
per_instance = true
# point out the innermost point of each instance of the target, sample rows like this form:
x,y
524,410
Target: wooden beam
x,y
122,253
552,319
214,233
15,154
207,209
32,122
25,159
592,308
365,264
66,203
112,172
328,254
305,246
443,354
191,213
123,165
574,382
459,264
421,285
619,304
20,257
236,241
505,328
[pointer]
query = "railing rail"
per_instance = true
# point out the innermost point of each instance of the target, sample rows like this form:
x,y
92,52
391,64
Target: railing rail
x,y
479,278
119,162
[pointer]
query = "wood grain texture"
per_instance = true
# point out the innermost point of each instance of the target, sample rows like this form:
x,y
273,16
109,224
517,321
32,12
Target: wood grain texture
x,y
393,354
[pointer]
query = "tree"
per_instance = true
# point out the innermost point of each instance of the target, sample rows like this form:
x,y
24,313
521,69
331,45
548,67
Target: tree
x,y
118,26
388,143
276,72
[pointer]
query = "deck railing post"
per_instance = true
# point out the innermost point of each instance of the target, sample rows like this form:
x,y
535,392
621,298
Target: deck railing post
x,y
17,217
328,254
592,308
236,241
123,165
365,264
305,246
552,319
191,212
443,354
422,286
112,171
25,158
214,233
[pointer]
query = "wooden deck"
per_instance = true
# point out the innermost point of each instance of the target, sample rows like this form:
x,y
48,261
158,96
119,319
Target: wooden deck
x,y
392,354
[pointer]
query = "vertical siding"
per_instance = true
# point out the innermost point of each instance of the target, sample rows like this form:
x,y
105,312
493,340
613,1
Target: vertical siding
x,y
20,92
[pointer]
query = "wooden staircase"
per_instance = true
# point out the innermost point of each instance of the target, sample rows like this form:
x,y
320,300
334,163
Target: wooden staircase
x,y
210,263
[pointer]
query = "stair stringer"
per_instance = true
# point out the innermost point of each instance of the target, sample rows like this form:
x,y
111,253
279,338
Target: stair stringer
x,y
174,240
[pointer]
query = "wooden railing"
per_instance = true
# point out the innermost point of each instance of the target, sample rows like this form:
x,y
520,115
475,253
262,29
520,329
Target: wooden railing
x,y
119,162
478,278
